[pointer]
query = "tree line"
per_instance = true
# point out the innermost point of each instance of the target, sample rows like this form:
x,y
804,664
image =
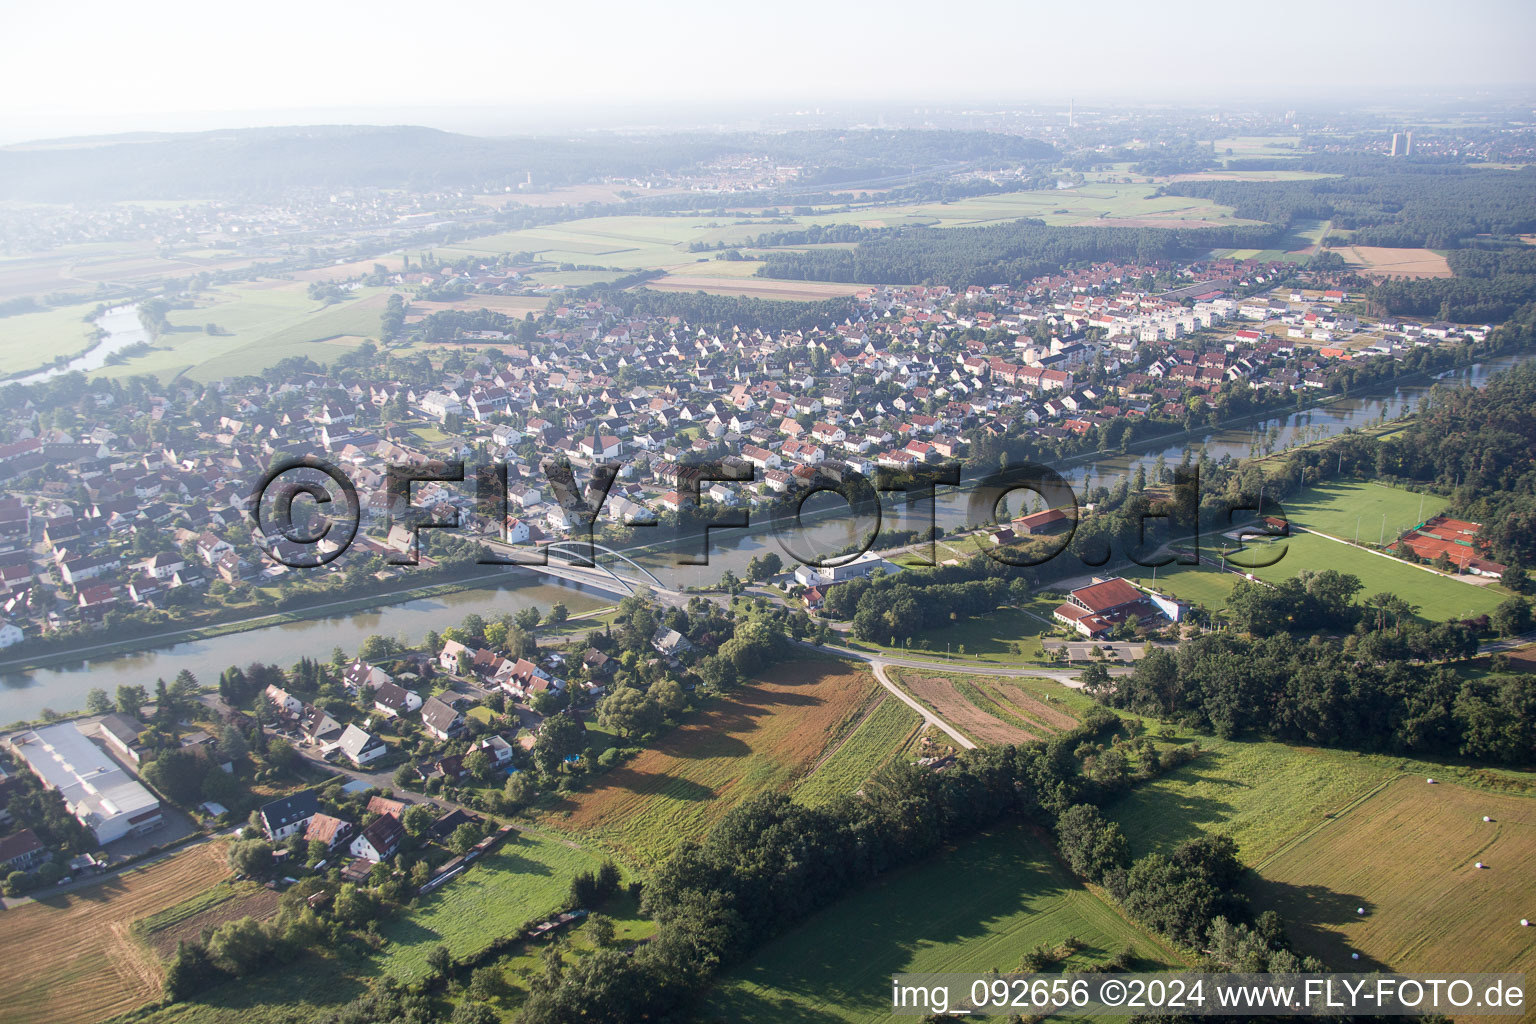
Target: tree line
x,y
1011,253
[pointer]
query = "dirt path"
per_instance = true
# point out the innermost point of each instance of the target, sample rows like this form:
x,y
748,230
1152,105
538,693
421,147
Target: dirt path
x,y
929,717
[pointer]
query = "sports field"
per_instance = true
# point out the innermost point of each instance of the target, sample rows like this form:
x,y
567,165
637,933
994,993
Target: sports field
x,y
876,739
1406,854
1340,509
764,735
1438,597
981,904
1198,584
73,958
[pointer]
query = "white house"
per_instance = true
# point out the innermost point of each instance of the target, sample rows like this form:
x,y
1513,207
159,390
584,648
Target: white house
x,y
360,746
380,840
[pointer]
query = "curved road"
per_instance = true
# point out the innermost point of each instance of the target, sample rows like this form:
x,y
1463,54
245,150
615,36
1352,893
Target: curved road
x,y
879,663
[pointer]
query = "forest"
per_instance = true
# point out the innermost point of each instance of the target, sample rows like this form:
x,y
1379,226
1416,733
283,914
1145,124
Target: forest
x,y
1011,253
1490,286
1360,692
1392,203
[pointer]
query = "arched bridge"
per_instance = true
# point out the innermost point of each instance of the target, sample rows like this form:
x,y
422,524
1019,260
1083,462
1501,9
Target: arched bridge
x,y
577,550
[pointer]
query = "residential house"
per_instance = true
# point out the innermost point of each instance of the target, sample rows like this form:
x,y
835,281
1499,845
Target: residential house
x,y
379,840
288,816
440,720
360,747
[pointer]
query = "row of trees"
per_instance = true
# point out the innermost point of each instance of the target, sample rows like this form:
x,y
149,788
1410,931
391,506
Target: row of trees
x,y
1011,253
1327,692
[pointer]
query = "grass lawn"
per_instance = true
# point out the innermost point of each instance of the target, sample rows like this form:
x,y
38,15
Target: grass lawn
x,y
877,739
527,876
979,905
1197,584
988,638
1438,597
1337,508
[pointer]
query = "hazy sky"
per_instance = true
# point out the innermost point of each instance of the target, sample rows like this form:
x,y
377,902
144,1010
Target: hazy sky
x,y
106,65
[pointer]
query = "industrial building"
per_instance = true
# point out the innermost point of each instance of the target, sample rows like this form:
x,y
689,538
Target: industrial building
x,y
98,791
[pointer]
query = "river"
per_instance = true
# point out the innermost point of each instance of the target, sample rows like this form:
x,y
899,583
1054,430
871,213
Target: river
x,y
121,329
24,695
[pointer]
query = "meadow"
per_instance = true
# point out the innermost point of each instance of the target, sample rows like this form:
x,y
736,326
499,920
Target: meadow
x,y
73,958
260,323
29,340
527,876
875,740
1009,635
979,905
764,735
1435,909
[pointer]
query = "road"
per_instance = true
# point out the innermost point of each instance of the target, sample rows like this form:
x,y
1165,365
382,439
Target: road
x,y
880,662
929,718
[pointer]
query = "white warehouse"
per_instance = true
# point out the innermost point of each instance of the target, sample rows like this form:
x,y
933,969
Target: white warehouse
x,y
99,793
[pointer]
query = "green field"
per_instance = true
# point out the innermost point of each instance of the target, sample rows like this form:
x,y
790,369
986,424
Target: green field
x,y
1340,509
1438,597
989,638
29,340
1435,909
1197,584
978,906
1266,794
629,243
528,875
876,740
1335,509
1262,794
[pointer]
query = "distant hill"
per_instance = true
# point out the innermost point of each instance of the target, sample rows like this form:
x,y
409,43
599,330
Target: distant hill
x,y
256,162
